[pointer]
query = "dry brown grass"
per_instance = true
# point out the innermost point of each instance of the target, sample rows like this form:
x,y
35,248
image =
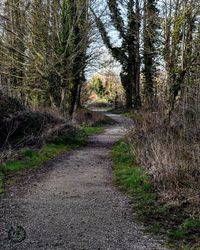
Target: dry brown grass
x,y
87,117
171,157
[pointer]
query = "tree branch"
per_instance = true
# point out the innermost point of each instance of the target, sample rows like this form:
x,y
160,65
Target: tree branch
x,y
116,17
116,52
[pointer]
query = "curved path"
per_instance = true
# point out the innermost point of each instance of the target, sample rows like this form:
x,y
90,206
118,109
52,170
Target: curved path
x,y
71,203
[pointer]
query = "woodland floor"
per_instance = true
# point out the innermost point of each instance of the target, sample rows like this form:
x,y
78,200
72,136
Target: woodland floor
x,y
72,203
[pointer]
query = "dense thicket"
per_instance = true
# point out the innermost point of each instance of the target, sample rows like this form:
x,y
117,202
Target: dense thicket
x,y
43,51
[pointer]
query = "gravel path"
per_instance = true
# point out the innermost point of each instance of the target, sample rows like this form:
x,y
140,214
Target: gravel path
x,y
71,203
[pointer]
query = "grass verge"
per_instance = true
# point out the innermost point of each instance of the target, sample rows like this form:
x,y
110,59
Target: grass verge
x,y
28,158
182,232
93,130
133,115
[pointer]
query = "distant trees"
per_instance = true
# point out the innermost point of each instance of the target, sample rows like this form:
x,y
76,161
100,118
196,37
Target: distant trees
x,y
98,87
104,87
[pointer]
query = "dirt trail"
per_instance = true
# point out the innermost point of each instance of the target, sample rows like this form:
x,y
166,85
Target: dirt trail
x,y
71,203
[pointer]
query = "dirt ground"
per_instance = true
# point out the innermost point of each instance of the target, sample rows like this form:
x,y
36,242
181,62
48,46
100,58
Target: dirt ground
x,y
72,203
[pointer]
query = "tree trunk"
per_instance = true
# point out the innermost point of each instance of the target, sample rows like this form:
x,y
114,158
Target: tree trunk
x,y
63,102
128,100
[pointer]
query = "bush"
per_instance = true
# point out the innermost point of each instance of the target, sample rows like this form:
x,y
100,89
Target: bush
x,y
9,106
63,133
170,158
24,127
86,117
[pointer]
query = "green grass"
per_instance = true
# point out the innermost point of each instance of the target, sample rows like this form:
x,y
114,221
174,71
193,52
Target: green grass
x,y
181,229
33,158
186,229
132,178
1,182
93,130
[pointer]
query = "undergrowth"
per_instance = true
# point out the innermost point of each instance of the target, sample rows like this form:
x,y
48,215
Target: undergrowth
x,y
29,158
182,230
133,115
86,117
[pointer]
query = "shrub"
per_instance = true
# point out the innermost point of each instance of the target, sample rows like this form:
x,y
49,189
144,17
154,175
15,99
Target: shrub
x,y
171,159
9,106
86,117
25,127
